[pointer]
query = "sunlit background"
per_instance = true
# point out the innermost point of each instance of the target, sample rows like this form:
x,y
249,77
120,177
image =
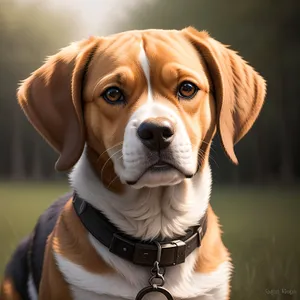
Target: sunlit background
x,y
258,202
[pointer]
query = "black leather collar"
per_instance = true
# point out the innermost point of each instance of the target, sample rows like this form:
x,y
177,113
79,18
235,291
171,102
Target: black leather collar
x,y
145,253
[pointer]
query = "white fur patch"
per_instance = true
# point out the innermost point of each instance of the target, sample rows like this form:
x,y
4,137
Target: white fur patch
x,y
31,288
146,68
181,281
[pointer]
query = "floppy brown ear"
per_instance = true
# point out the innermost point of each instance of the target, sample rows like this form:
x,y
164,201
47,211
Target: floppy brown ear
x,y
51,99
238,89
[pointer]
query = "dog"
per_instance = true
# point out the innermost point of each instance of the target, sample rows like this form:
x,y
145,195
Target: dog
x,y
132,117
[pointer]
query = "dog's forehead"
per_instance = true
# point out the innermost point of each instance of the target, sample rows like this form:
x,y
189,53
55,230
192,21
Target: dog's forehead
x,y
154,41
160,47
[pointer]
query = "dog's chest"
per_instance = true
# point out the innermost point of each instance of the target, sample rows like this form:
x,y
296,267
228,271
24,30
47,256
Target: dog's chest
x,y
129,279
83,295
216,294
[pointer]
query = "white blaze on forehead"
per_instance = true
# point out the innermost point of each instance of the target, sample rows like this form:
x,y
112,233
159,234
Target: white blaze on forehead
x,y
145,66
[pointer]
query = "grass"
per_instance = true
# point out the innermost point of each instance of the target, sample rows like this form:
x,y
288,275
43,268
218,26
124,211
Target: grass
x,y
261,229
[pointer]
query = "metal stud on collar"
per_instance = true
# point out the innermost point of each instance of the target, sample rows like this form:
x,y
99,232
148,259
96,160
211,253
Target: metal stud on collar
x,y
156,280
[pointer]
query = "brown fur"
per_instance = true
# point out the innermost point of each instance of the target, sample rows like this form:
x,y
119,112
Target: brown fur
x,y
51,99
52,285
104,167
238,89
8,291
212,251
70,240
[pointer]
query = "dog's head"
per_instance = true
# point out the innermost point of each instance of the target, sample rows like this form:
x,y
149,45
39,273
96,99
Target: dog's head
x,y
145,103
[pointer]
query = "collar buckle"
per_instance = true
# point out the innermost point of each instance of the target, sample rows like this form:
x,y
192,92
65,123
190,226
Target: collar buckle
x,y
172,254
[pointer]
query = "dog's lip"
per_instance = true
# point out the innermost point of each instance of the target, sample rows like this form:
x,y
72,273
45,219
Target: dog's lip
x,y
160,165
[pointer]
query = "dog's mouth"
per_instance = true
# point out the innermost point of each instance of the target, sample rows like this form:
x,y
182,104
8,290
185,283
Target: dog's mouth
x,y
159,167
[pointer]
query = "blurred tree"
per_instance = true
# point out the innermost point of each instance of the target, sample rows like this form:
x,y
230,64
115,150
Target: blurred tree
x,y
29,32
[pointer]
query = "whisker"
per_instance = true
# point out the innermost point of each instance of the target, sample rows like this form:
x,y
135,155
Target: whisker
x,y
118,144
201,155
213,159
213,149
102,170
204,142
112,181
211,145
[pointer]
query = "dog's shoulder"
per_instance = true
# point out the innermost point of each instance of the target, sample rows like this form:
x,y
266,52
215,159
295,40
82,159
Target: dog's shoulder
x,y
42,230
71,241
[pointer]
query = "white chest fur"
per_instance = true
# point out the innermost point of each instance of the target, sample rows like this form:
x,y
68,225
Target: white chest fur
x,y
144,219
128,280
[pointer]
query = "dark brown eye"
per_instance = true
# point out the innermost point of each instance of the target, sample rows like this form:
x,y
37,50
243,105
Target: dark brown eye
x,y
187,90
113,95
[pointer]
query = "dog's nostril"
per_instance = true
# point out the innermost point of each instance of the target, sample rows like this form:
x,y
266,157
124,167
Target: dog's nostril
x,y
167,132
156,134
145,131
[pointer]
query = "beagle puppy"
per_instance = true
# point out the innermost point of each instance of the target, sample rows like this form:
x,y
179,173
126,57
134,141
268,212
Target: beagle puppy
x,y
133,115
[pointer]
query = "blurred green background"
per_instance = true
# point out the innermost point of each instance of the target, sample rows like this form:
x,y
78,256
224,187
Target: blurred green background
x,y
258,202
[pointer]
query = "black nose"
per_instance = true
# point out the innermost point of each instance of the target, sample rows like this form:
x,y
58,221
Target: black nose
x,y
156,133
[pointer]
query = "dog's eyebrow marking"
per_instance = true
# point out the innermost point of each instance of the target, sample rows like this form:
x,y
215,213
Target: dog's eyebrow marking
x,y
146,68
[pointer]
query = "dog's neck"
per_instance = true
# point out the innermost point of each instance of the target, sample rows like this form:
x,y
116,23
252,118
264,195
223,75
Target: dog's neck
x,y
148,212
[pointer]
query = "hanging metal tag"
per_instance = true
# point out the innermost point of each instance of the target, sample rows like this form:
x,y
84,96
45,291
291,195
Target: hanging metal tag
x,y
151,289
156,280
